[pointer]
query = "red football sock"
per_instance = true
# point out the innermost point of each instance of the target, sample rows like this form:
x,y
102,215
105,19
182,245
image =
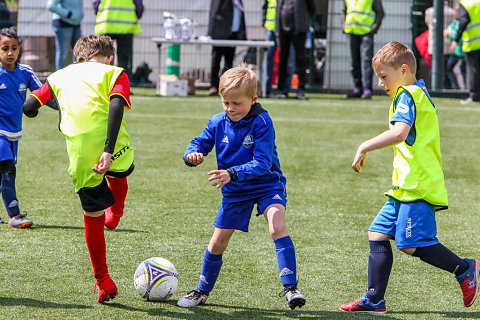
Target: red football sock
x,y
94,235
119,188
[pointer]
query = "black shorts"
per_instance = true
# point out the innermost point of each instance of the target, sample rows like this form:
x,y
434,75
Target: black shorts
x,y
100,197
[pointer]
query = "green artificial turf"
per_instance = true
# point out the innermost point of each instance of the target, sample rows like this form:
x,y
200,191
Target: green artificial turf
x,y
45,272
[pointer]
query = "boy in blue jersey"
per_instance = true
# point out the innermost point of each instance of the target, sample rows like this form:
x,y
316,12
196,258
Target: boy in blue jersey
x,y
15,79
418,188
248,173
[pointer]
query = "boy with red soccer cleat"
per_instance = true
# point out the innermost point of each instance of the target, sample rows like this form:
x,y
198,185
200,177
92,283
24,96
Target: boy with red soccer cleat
x,y
91,96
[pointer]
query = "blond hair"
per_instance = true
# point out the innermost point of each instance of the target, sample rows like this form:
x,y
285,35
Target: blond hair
x,y
90,46
238,78
395,54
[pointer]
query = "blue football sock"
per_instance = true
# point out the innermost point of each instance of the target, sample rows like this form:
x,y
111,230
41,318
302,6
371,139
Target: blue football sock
x,y
210,271
287,264
380,263
441,257
9,194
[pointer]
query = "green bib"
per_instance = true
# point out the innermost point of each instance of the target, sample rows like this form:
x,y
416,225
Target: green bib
x,y
117,16
360,17
417,168
81,91
471,35
270,15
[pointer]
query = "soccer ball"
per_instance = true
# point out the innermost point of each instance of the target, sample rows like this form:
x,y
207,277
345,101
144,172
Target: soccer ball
x,y
156,279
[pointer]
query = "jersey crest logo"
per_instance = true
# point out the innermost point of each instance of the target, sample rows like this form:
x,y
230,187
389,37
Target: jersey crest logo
x,y
3,86
22,87
248,141
225,140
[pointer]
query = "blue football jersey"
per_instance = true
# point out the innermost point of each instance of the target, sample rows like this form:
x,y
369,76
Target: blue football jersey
x,y
13,91
248,146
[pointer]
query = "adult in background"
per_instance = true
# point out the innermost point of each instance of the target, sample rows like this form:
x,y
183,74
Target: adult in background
x,y
361,19
118,19
226,21
292,23
5,21
66,19
269,13
469,32
448,18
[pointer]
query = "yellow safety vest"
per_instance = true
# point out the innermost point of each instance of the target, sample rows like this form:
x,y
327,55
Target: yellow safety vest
x,y
117,17
417,169
81,91
360,16
270,15
471,35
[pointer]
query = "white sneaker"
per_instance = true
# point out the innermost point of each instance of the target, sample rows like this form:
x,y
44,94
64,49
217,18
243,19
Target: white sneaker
x,y
469,100
294,297
192,299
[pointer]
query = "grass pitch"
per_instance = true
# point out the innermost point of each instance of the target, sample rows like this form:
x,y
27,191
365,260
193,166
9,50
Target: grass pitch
x,y
46,271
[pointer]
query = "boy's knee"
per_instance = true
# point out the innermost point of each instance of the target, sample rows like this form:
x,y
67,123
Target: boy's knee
x,y
409,251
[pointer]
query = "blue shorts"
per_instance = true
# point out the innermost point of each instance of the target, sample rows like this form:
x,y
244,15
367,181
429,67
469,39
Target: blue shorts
x,y
8,149
236,215
411,225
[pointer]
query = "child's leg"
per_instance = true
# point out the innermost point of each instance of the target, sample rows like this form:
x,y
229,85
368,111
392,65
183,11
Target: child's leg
x,y
212,259
95,238
380,263
9,193
119,188
441,257
284,248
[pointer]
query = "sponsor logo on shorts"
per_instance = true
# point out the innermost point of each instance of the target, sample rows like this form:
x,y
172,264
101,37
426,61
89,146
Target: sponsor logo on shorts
x,y
408,229
225,140
248,141
3,86
277,197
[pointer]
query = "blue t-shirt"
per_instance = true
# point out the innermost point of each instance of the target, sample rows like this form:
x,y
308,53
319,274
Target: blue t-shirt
x,y
247,146
405,110
13,91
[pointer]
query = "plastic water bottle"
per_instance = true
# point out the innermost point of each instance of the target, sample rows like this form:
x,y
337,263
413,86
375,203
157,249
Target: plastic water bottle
x,y
169,25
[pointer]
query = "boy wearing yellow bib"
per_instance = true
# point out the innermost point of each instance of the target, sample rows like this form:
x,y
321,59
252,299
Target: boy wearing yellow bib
x,y
91,96
418,188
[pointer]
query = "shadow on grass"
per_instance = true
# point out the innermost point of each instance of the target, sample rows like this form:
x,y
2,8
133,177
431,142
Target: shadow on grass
x,y
223,312
443,314
44,226
9,302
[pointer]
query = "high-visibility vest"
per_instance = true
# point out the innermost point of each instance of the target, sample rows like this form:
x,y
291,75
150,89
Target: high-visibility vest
x,y
471,35
270,15
417,168
81,91
360,16
117,17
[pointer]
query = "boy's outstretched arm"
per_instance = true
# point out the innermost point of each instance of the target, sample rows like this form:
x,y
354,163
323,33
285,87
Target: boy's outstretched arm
x,y
397,134
31,106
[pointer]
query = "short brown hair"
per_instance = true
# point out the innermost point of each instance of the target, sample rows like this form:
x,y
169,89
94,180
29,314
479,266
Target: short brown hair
x,y
90,46
395,54
239,78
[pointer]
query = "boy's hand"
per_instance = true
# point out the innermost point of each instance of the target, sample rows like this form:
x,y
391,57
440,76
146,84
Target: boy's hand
x,y
359,159
194,158
103,163
221,176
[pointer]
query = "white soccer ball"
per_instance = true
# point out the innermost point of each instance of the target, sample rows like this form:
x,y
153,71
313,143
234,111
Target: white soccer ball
x,y
156,279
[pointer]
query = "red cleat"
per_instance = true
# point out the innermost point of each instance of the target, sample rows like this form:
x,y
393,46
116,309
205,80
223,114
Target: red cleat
x,y
106,290
364,305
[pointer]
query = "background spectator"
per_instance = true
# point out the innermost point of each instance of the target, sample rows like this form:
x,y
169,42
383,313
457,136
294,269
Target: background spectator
x,y
66,19
5,21
292,23
457,54
118,19
469,32
448,18
361,20
226,21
